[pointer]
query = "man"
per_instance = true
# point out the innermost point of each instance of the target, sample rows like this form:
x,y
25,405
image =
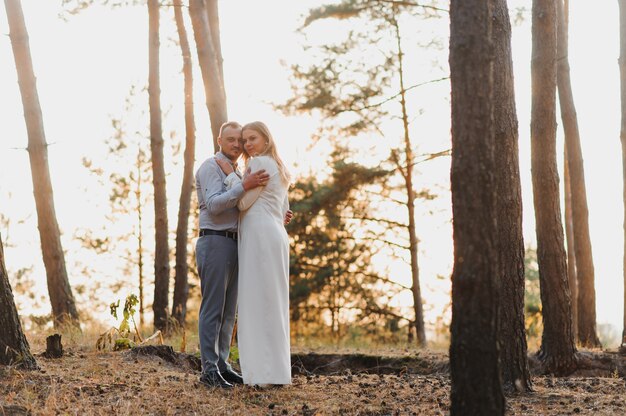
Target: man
x,y
216,257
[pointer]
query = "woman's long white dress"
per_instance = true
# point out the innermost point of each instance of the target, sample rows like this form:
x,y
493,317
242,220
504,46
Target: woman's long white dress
x,y
263,304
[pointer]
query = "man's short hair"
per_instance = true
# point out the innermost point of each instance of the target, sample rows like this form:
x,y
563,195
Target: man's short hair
x,y
229,124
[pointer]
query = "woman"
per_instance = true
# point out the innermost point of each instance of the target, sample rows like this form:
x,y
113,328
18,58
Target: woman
x,y
263,311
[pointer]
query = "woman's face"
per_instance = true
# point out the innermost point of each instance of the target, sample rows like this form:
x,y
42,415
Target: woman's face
x,y
254,142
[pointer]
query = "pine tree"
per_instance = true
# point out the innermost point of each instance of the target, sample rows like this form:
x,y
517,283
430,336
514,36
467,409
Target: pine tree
x,y
332,278
366,95
14,348
61,297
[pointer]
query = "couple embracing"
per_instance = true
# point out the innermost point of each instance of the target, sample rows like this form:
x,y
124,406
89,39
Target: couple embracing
x,y
242,255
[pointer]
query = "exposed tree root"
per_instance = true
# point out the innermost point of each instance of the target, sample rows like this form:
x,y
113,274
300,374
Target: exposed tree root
x,y
588,363
167,353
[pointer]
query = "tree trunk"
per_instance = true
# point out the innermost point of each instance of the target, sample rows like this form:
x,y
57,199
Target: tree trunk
x,y
140,161
474,368
569,224
161,258
557,345
14,346
512,331
207,57
63,305
622,71
214,26
407,174
571,255
181,287
580,215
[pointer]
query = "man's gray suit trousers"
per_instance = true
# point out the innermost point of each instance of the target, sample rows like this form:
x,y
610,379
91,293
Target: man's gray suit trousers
x,y
216,258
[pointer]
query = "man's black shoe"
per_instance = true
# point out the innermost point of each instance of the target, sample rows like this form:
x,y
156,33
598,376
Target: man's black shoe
x,y
215,379
231,376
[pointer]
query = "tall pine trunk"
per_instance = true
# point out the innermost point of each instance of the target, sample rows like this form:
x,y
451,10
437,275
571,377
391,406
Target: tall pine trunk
x,y
622,71
474,369
580,215
161,258
181,287
14,348
572,278
407,174
571,255
557,345
140,161
209,67
214,26
63,305
512,331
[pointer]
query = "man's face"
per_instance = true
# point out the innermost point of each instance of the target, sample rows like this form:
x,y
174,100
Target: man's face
x,y
230,142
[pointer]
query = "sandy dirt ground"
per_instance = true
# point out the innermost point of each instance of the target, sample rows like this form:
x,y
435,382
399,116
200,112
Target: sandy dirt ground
x,y
122,383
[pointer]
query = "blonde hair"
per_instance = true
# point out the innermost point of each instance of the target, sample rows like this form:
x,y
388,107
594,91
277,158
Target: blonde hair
x,y
270,151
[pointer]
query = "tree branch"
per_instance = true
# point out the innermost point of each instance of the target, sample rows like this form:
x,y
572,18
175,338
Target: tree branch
x,y
386,100
390,222
381,311
382,279
375,276
397,201
391,243
431,156
411,3
396,160
368,309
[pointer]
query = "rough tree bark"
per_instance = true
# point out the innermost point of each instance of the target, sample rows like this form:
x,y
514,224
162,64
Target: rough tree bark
x,y
208,59
54,347
63,305
557,345
181,287
622,71
571,255
214,26
569,222
512,331
161,258
474,368
580,215
14,348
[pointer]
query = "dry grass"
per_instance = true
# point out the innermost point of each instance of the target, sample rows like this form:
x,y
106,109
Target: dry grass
x,y
87,382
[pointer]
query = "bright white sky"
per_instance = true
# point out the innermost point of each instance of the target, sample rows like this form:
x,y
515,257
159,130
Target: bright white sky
x,y
86,66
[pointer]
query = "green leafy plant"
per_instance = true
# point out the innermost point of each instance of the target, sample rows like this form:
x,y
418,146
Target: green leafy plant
x,y
234,354
119,338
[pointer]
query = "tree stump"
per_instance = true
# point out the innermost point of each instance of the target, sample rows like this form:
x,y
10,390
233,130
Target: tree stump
x,y
54,348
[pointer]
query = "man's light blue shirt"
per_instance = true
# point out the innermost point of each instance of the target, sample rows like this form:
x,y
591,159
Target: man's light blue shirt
x,y
218,206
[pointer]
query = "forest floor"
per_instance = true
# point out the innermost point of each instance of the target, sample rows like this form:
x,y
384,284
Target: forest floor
x,y
326,381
